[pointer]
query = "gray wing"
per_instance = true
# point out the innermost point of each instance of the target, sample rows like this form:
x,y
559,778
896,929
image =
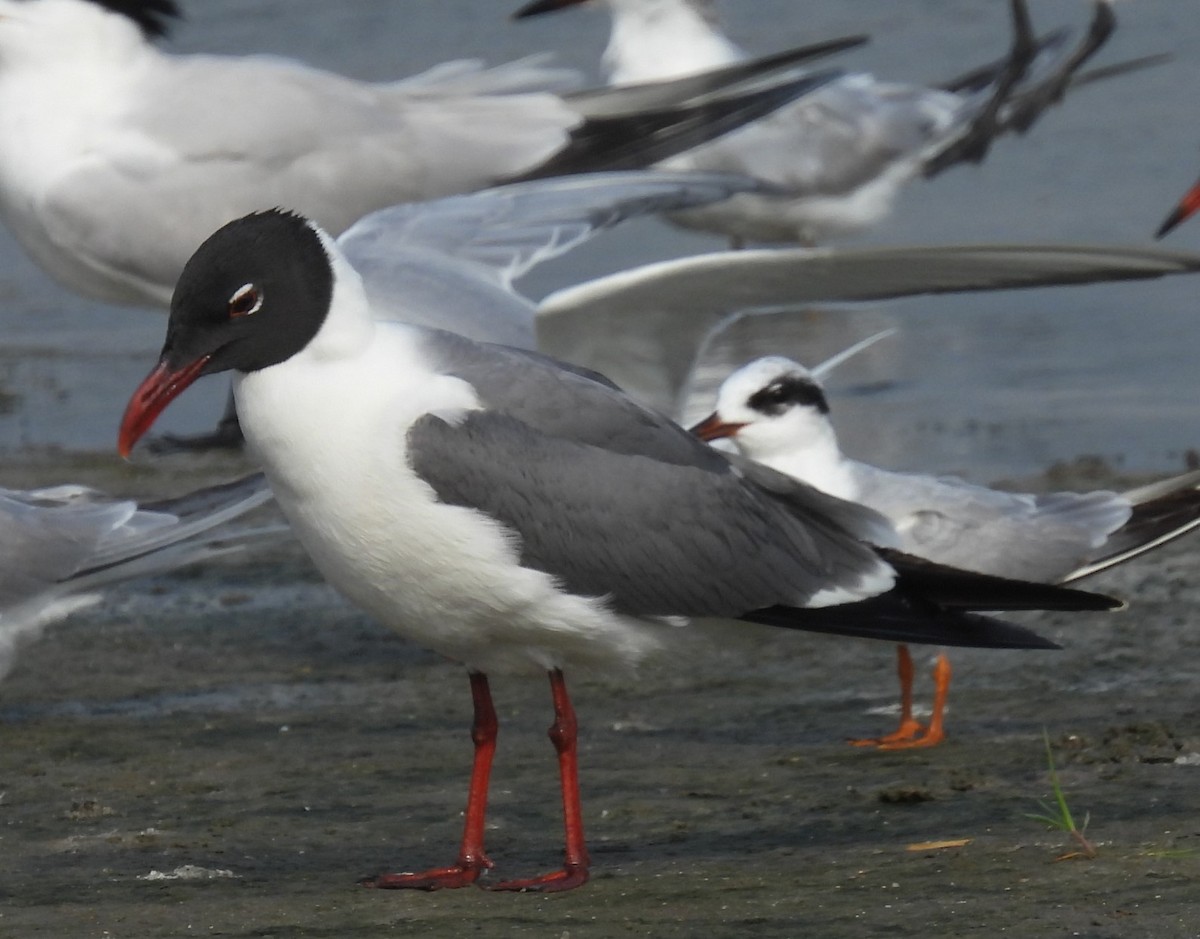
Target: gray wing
x,y
60,547
449,263
692,299
220,137
604,492
509,229
656,538
837,139
1038,537
76,538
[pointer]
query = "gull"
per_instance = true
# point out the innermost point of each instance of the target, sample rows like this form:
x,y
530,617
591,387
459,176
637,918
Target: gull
x,y
520,515
776,412
117,158
1185,208
62,546
839,157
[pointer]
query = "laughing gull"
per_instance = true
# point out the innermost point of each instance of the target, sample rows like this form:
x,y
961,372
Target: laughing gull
x,y
839,157
776,412
1186,207
520,515
61,547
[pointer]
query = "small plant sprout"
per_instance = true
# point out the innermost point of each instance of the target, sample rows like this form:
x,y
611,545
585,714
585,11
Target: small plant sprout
x,y
1058,815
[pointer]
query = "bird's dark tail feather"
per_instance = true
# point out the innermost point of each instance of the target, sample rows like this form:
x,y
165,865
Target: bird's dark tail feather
x,y
1154,523
636,140
949,588
936,605
893,618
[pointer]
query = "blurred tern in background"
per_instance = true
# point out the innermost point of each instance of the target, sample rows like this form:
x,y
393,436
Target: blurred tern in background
x,y
117,159
517,514
61,547
840,156
776,412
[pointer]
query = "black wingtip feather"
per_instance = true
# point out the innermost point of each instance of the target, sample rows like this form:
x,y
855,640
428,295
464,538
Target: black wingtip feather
x,y
949,588
893,618
635,141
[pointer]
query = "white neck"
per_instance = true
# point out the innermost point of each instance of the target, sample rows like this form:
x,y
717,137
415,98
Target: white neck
x,y
810,454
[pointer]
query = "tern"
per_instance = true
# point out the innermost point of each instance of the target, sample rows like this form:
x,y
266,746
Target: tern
x,y
62,546
1185,208
517,514
838,157
117,158
776,412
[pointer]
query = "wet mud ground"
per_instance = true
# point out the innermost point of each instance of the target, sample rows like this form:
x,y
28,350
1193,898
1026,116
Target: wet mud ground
x,y
225,751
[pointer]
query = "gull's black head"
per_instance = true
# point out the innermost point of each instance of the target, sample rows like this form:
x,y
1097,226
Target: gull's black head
x,y
252,296
153,17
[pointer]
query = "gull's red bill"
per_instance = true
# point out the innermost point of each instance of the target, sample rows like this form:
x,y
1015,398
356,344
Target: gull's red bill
x,y
158,389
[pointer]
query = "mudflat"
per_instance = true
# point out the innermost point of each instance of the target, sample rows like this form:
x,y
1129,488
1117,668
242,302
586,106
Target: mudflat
x,y
226,751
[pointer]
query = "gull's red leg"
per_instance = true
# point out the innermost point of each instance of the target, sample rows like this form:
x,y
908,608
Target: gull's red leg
x,y
909,726
563,734
471,858
935,733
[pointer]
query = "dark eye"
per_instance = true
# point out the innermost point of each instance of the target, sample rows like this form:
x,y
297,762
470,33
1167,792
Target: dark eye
x,y
246,300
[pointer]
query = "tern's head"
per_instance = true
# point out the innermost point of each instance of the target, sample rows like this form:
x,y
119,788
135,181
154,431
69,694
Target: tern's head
x,y
65,30
653,40
768,408
253,295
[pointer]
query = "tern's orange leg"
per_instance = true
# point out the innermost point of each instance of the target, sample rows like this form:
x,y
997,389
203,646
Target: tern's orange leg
x,y
935,733
909,726
563,734
471,858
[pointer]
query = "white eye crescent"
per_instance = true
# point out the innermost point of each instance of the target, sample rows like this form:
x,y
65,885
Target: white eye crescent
x,y
246,300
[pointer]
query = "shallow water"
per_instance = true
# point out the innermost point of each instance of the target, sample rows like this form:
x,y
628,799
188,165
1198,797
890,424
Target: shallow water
x,y
985,386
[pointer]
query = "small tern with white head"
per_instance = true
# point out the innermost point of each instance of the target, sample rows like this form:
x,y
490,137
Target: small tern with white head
x,y
776,412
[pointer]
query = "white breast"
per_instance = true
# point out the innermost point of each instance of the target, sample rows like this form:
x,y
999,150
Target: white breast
x,y
331,437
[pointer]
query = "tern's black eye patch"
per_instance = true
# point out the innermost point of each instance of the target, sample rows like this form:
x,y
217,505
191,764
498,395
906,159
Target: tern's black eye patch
x,y
786,392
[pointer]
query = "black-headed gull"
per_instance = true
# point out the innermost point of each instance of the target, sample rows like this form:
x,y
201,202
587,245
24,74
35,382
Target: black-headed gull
x,y
776,412
517,514
840,156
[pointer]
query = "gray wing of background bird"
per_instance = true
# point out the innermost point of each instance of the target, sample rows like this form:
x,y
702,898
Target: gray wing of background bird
x,y
413,258
693,299
1041,537
61,546
217,137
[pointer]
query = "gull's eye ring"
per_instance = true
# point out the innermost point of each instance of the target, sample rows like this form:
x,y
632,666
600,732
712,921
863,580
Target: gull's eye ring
x,y
246,300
